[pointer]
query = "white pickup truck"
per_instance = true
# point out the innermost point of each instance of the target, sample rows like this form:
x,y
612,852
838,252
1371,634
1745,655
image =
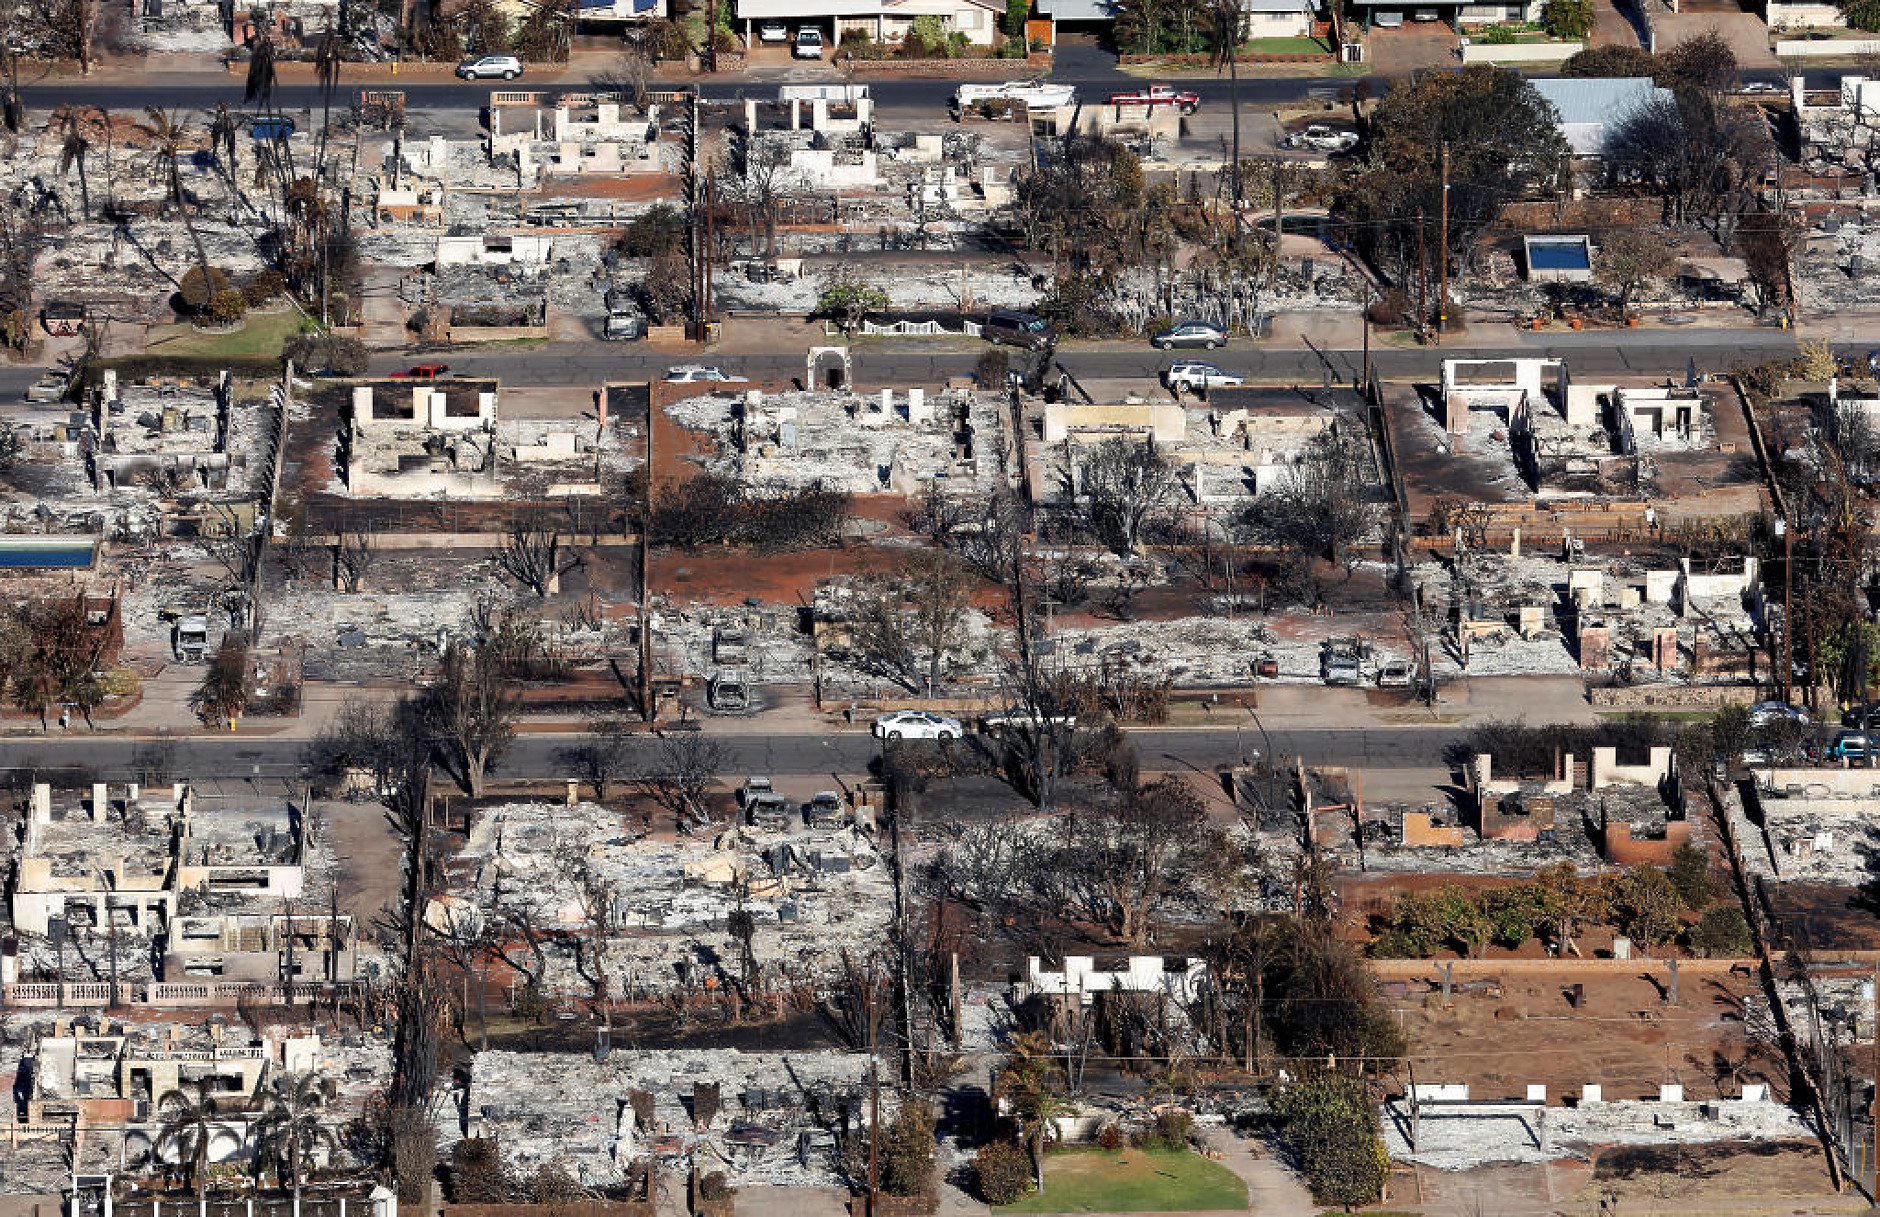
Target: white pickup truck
x,y
1035,94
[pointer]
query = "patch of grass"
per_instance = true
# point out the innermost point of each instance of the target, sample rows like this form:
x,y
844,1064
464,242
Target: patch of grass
x,y
1132,1181
262,337
1283,46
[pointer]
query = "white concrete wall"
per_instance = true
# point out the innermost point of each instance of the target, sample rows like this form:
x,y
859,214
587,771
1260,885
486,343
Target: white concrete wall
x,y
1606,770
1522,52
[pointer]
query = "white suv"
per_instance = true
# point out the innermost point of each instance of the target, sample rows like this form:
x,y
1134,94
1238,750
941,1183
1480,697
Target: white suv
x,y
483,66
809,43
1193,377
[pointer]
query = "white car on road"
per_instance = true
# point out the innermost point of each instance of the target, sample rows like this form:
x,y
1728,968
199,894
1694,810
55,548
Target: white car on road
x,y
1194,376
1035,94
694,372
917,724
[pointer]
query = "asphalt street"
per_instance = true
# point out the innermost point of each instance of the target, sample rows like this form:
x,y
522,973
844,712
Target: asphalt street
x,y
236,759
883,362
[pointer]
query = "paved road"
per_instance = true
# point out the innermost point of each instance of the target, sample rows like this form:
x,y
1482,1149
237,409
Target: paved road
x,y
234,759
901,361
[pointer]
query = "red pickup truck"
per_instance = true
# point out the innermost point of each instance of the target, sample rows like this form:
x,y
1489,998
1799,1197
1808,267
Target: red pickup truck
x,y
1159,95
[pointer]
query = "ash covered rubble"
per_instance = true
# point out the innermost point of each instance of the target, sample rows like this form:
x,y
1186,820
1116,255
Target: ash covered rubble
x,y
762,1118
1622,815
812,894
145,885
897,441
1808,825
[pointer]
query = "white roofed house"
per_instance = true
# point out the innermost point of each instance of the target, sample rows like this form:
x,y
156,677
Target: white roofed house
x,y
883,21
1591,108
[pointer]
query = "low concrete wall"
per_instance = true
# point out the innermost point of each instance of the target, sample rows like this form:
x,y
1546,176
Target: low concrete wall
x,y
946,69
1826,48
1520,52
494,333
1645,697
1476,969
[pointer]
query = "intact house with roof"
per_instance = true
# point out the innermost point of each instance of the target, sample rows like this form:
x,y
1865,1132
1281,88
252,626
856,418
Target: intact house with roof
x,y
1589,109
883,21
1258,18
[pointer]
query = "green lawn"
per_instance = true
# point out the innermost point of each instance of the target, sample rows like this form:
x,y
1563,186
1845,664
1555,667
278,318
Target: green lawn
x,y
1132,1181
262,336
1283,46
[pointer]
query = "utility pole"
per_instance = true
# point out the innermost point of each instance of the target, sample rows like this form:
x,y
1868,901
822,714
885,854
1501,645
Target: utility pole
x,y
1423,278
874,1091
1442,253
1873,1115
1365,318
1788,609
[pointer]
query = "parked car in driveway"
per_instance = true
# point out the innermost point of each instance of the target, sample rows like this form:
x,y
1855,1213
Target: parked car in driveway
x,y
1203,334
484,67
1197,377
809,43
773,31
917,724
1320,138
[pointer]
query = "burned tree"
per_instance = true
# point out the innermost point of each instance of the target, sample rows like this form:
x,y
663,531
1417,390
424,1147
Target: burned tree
x,y
472,709
598,759
533,555
687,768
1126,481
1128,859
353,555
910,621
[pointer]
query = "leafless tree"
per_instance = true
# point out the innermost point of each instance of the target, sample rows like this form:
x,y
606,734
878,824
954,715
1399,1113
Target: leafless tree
x,y
353,555
1126,481
762,181
472,708
596,893
1319,511
683,775
598,758
910,621
533,555
1127,860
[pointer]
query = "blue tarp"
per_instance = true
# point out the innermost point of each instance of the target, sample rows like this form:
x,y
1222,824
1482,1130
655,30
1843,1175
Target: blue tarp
x,y
45,559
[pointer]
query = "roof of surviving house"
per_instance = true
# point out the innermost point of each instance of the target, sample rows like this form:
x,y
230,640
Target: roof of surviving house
x,y
1595,102
749,9
1079,10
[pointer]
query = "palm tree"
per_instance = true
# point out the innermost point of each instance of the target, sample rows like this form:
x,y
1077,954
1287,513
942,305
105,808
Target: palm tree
x,y
326,71
292,1127
72,153
1227,22
188,1126
1029,1083
168,131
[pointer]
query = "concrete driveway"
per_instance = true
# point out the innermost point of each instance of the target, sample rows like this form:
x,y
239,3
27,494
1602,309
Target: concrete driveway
x,y
1411,46
1745,32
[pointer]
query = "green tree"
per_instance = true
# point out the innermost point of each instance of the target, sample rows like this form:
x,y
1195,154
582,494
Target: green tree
x,y
1862,14
1648,906
1515,914
187,1126
1568,18
1502,139
1691,875
1331,1124
293,1126
1028,1085
1729,730
1016,12
1606,61
1721,933
907,1167
847,295
222,695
